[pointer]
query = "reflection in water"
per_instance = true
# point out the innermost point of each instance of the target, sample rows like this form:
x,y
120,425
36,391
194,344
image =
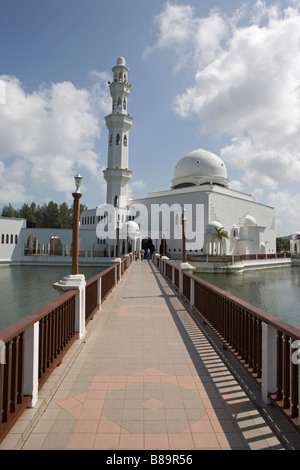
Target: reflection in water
x,y
276,291
24,289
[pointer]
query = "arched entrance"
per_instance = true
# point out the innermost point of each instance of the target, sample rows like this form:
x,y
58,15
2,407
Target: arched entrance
x,y
147,243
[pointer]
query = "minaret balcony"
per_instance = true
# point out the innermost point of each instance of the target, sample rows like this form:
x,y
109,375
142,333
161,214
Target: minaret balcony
x,y
117,88
116,174
119,120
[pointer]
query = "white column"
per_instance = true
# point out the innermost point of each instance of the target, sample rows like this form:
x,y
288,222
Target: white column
x,y
31,362
269,361
99,288
192,292
71,282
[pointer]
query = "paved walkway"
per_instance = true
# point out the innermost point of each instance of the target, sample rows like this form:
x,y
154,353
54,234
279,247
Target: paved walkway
x,y
144,377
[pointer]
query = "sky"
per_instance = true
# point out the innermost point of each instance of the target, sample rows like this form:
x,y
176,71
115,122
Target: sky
x,y
220,75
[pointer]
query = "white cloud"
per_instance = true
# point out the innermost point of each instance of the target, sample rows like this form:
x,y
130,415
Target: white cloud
x,y
46,136
246,86
287,211
137,189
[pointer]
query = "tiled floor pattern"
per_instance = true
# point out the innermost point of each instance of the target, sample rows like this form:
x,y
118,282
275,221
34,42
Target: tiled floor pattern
x,y
147,378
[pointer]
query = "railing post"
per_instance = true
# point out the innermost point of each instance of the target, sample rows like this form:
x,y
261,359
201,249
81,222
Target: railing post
x,y
269,361
116,275
75,281
99,287
180,281
31,363
192,292
80,309
173,275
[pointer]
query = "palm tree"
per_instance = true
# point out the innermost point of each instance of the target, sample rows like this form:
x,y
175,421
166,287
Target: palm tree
x,y
221,234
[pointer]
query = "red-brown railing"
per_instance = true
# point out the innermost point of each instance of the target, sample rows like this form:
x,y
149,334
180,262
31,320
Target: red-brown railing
x,y
241,327
56,333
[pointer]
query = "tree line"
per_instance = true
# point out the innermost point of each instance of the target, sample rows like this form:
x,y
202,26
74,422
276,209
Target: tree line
x,y
51,215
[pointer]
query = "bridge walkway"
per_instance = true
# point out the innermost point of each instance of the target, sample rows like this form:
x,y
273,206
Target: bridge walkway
x,y
145,377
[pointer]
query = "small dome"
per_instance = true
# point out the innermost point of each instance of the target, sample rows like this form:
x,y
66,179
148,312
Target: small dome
x,y
200,167
213,225
250,221
131,228
121,61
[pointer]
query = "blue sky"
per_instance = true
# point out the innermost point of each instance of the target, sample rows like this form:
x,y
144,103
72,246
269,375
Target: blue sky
x,y
219,75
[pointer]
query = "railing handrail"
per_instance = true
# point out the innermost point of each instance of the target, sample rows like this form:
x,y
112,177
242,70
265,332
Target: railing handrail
x,y
36,344
97,276
24,323
261,314
263,344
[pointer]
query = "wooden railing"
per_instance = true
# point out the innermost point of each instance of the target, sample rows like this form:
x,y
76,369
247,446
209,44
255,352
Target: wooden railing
x,y
266,346
31,348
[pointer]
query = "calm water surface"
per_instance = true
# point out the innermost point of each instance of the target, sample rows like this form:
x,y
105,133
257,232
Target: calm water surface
x,y
276,291
24,289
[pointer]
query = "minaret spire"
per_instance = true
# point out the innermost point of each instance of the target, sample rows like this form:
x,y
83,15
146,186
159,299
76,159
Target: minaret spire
x,y
119,124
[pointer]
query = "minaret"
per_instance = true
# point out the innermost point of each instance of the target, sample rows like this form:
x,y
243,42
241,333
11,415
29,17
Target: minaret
x,y
119,124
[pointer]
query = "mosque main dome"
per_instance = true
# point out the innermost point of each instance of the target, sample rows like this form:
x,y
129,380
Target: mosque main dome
x,y
199,167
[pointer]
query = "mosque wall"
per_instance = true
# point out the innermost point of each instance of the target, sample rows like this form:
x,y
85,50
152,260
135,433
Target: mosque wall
x,y
250,225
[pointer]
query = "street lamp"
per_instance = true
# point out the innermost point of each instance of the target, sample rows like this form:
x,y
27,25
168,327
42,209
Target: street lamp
x,y
76,211
183,237
184,265
164,241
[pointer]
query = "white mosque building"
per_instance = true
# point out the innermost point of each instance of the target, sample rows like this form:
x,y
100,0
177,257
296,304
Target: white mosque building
x,y
217,219
200,188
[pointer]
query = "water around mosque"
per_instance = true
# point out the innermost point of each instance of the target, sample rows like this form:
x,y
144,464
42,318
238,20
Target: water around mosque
x,y
276,291
24,289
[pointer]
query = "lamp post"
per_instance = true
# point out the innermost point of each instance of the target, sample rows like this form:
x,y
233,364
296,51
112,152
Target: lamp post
x,y
118,241
183,238
76,210
164,242
184,265
117,220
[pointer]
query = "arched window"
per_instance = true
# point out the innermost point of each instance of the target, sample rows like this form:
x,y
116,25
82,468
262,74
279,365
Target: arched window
x,y
120,76
111,140
2,238
118,139
115,104
7,238
125,140
119,103
124,103
16,239
11,238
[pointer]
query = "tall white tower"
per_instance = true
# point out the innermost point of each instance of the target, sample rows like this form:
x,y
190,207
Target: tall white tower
x,y
119,124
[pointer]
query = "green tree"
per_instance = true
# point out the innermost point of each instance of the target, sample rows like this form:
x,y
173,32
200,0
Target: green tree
x,y
282,244
9,211
51,215
221,234
29,213
65,216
